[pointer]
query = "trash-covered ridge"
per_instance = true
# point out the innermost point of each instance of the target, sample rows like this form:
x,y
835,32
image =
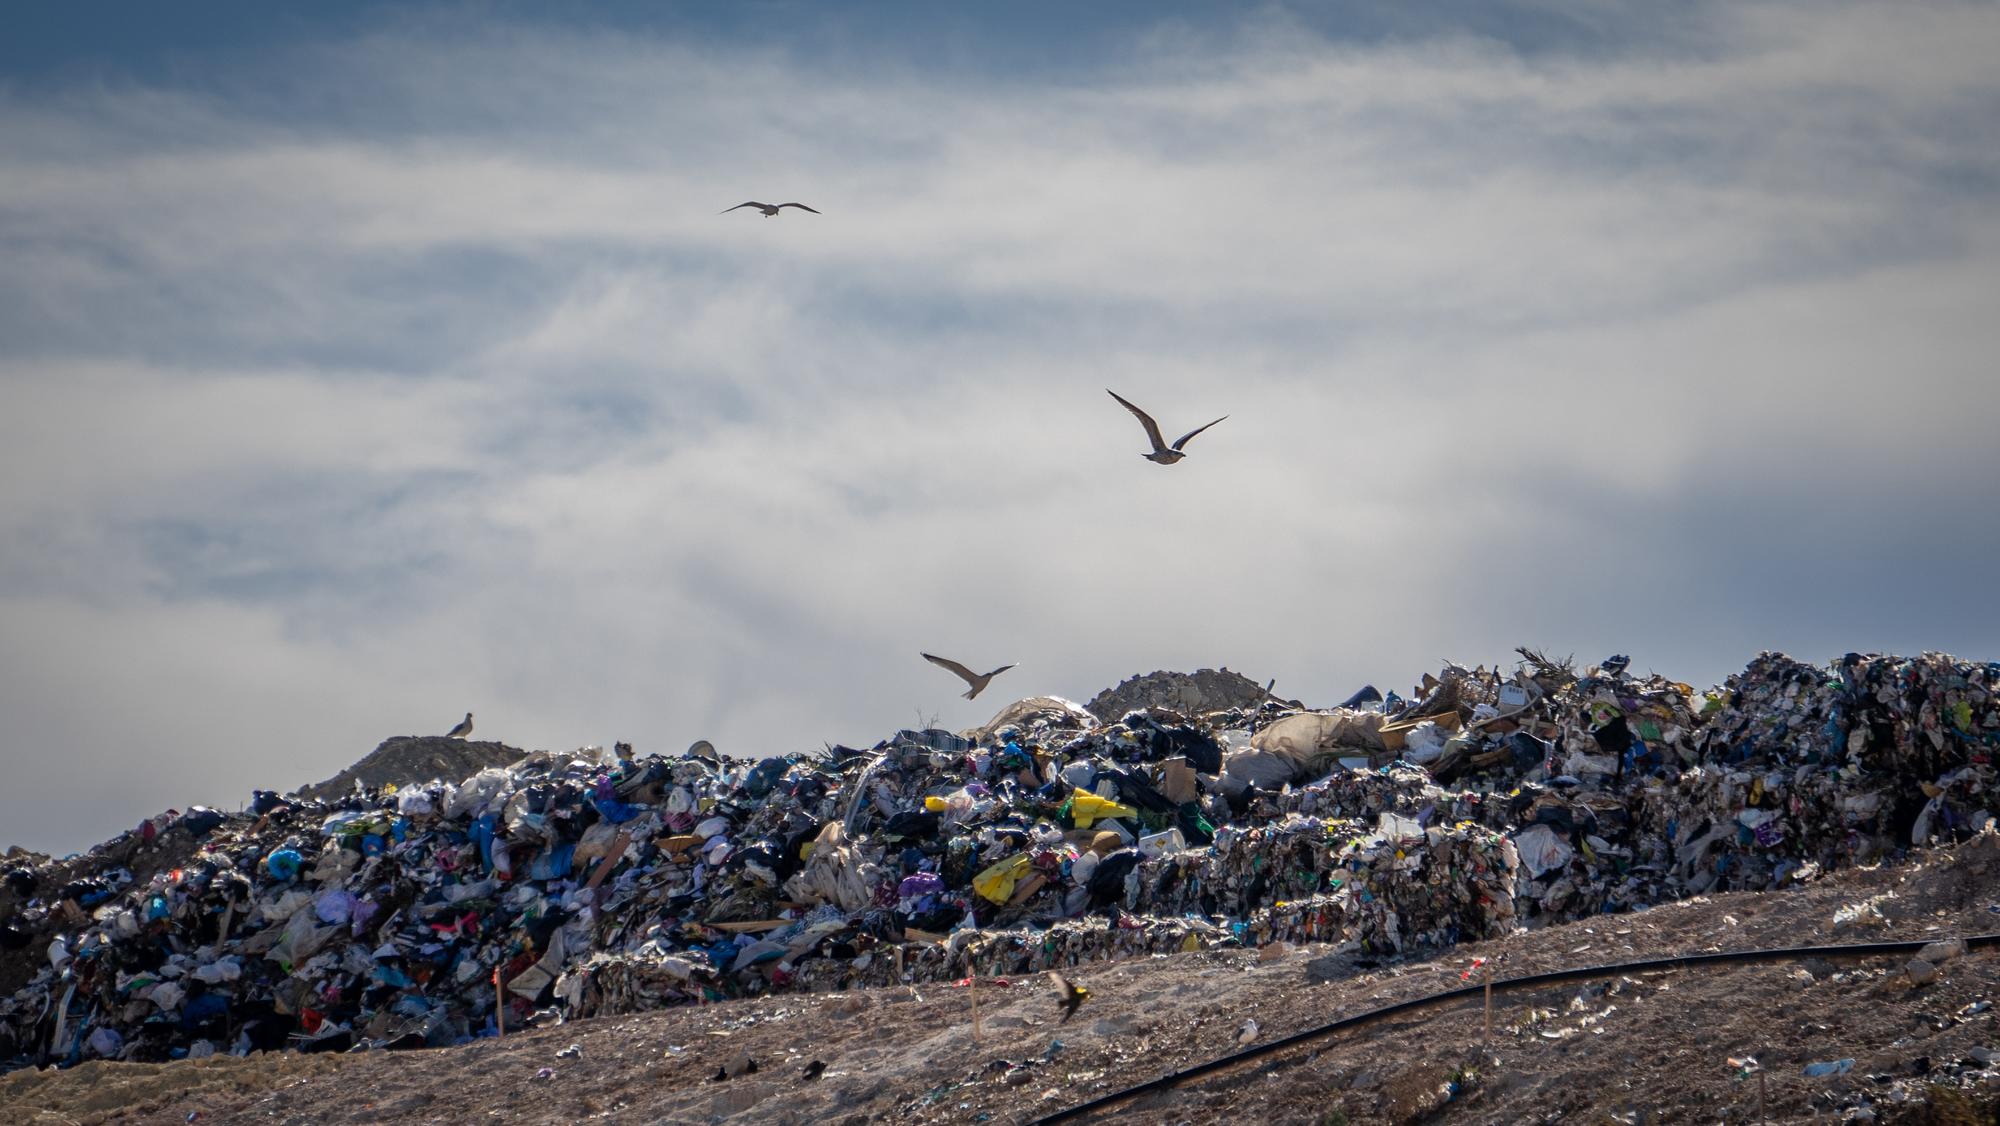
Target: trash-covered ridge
x,y
570,885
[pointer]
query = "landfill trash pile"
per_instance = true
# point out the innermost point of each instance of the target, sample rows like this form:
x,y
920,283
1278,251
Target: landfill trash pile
x,y
911,1054
416,758
1623,791
571,884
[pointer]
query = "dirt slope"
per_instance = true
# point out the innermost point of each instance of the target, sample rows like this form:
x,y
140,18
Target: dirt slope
x,y
1650,1048
403,759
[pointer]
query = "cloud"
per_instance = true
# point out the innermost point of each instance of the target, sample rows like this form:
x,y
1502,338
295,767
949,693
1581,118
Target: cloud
x,y
389,376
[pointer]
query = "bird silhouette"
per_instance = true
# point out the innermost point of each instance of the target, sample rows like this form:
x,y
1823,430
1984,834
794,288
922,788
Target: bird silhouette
x,y
1162,454
977,681
813,1070
463,729
1069,996
770,210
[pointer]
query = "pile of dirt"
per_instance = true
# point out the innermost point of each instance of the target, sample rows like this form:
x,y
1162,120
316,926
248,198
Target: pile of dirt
x,y
1633,1047
1204,690
403,759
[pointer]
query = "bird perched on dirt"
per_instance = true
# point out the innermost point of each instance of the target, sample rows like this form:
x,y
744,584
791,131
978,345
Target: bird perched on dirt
x,y
463,729
812,1070
977,681
770,210
1069,996
1162,454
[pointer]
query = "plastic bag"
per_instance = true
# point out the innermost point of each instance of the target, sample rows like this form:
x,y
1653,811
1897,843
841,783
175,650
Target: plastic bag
x,y
1088,809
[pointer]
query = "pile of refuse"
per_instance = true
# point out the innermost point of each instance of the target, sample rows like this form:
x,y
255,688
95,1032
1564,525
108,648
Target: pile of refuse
x,y
573,884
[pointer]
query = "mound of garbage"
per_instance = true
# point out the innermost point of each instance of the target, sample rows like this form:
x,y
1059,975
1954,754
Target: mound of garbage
x,y
575,884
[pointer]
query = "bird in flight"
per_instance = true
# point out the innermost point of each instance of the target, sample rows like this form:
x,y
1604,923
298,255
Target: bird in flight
x,y
463,729
769,209
1069,996
974,679
1162,453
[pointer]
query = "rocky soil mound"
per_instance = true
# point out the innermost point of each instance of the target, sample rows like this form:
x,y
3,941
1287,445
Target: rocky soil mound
x,y
1190,693
403,759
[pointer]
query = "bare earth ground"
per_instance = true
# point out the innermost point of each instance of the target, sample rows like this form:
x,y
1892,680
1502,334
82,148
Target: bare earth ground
x,y
1639,1048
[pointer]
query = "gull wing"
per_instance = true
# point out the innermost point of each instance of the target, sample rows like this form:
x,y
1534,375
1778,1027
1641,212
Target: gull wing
x,y
998,671
745,203
1192,433
963,673
1146,420
801,207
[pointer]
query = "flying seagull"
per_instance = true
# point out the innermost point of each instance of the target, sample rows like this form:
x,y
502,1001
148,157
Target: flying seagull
x,y
974,679
1069,996
463,729
770,210
1162,453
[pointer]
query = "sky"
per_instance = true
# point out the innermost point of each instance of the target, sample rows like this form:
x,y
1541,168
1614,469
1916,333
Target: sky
x,y
362,366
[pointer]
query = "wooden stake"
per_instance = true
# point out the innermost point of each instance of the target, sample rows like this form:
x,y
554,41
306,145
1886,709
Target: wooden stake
x,y
499,1005
973,989
1761,1091
1486,1040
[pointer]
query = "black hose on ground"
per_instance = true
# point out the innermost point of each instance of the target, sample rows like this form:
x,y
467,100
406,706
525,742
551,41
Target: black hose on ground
x,y
1532,981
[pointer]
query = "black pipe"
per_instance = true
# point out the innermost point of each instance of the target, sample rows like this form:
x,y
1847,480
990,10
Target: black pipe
x,y
1532,981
